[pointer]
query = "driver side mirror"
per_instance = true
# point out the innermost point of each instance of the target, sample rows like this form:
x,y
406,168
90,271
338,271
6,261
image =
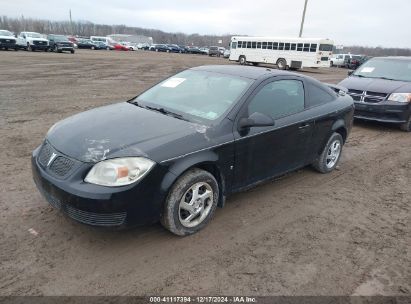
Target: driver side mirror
x,y
350,73
256,120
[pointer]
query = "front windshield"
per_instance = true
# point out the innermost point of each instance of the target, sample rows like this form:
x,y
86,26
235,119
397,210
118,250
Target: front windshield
x,y
33,35
60,38
196,95
326,47
386,68
5,33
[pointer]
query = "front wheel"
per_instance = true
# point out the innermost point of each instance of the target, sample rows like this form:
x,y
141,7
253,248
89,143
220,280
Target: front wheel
x,y
281,64
331,154
406,126
191,202
242,60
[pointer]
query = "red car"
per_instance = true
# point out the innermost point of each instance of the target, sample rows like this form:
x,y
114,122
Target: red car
x,y
119,47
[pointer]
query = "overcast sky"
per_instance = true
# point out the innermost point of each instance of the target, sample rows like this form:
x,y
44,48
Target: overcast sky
x,y
347,22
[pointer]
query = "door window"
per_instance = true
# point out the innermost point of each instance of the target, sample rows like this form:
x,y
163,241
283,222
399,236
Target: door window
x,y
278,99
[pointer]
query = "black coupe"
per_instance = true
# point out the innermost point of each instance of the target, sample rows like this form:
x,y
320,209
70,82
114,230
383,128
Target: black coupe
x,y
176,151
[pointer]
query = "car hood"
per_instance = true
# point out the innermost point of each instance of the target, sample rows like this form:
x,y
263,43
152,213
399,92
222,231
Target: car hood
x,y
7,37
37,39
124,129
375,85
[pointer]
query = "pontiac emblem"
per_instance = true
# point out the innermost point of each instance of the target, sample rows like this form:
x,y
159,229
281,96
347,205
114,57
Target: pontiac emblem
x,y
52,157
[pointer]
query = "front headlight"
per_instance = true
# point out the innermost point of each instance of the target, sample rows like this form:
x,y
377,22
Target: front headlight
x,y
119,171
400,97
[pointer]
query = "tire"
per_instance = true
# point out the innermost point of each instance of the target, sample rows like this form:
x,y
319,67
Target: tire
x,y
55,49
16,49
406,126
108,49
93,48
281,64
175,216
330,157
242,60
29,48
331,64
72,51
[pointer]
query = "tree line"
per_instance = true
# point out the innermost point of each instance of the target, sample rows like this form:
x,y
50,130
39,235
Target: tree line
x,y
87,29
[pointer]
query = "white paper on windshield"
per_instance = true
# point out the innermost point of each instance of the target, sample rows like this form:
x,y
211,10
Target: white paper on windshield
x,y
173,82
367,70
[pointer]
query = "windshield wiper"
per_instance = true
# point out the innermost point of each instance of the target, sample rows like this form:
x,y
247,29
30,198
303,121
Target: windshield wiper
x,y
385,78
166,112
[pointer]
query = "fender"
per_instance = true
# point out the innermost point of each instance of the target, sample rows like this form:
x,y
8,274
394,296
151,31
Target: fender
x,y
178,166
338,124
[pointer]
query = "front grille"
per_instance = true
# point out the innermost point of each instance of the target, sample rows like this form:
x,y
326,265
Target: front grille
x,y
7,41
324,58
61,166
45,154
35,42
96,219
367,96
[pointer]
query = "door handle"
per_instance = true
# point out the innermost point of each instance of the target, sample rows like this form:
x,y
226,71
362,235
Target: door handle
x,y
304,126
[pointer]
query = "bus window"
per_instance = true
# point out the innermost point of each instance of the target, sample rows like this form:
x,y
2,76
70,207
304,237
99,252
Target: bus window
x,y
240,44
313,47
258,45
293,46
270,45
306,47
264,45
300,47
248,44
326,47
275,45
281,46
253,45
234,45
287,46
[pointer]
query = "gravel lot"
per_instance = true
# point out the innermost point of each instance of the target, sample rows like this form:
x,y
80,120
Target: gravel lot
x,y
344,233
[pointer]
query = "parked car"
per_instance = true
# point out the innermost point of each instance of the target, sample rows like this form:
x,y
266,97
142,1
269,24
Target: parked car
x,y
221,50
190,148
101,45
194,50
32,41
204,50
130,46
381,89
119,47
60,43
214,51
8,41
159,48
227,53
354,63
184,48
341,60
86,44
174,48
144,46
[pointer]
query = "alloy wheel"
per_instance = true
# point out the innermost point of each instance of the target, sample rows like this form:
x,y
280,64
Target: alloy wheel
x,y
333,154
195,204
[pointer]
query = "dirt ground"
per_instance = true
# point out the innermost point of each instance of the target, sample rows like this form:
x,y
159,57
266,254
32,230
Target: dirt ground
x,y
342,233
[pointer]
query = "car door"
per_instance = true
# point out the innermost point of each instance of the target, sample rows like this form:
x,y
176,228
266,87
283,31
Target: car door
x,y
264,152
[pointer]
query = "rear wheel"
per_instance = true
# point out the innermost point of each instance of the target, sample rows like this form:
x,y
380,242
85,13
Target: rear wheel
x,y
242,60
93,47
331,154
406,126
281,64
72,51
29,48
190,203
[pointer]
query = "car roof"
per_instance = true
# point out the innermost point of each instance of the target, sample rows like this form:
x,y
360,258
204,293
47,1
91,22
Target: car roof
x,y
241,71
404,58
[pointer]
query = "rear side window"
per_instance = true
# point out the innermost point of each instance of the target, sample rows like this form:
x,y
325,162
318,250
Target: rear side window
x,y
317,96
278,99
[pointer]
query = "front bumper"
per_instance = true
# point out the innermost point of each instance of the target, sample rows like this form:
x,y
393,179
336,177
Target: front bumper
x,y
130,205
39,46
11,45
384,112
65,48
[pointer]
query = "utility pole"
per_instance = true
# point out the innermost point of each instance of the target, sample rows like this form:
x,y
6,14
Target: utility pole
x,y
302,20
71,23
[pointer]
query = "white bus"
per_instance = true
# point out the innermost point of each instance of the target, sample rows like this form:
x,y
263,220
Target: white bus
x,y
293,53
